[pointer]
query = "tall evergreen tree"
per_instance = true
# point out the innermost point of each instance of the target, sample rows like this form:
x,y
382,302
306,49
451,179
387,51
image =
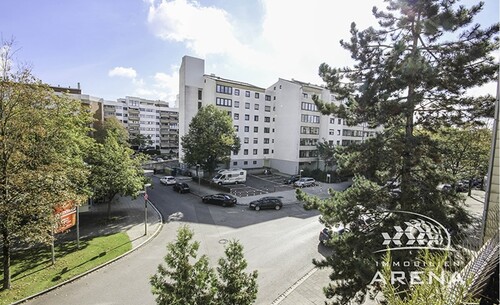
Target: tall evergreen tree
x,y
235,287
183,282
411,73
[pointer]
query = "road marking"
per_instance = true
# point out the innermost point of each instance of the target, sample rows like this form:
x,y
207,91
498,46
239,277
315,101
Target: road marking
x,y
287,292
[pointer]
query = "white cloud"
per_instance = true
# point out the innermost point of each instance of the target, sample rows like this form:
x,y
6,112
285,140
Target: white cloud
x,y
123,72
293,39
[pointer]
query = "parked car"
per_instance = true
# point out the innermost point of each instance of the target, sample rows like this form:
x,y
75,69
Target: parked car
x,y
220,199
305,181
266,203
291,179
181,187
168,180
326,234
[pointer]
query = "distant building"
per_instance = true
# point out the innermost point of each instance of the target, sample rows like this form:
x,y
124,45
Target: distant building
x,y
279,127
152,119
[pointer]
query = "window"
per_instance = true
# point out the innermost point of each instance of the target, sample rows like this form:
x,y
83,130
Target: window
x,y
199,105
224,89
255,151
247,93
307,118
266,140
267,129
267,119
338,132
339,121
223,102
245,162
246,140
247,128
245,151
247,105
309,130
236,91
305,95
247,117
332,120
255,140
268,97
256,94
256,129
256,107
267,108
308,142
266,151
256,118
199,94
236,128
236,116
331,132
308,153
235,163
236,104
309,106
254,162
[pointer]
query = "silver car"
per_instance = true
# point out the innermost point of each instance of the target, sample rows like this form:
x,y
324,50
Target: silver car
x,y
305,181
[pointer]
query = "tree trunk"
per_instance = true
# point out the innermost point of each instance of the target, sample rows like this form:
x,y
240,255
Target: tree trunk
x,y
6,261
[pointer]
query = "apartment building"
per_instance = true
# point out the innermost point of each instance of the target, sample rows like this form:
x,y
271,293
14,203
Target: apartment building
x,y
152,119
95,104
279,126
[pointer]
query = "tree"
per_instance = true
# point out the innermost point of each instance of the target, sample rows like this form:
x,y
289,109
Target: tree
x,y
411,73
114,168
187,282
326,151
235,287
465,151
210,140
141,141
183,282
43,138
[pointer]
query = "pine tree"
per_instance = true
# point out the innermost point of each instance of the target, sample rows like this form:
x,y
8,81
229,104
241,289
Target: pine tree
x,y
235,287
182,282
411,76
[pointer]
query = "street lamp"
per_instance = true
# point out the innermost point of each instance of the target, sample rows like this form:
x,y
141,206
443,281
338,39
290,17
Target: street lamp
x,y
300,175
146,208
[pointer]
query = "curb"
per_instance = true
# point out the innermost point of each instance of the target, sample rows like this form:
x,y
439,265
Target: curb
x,y
76,277
287,292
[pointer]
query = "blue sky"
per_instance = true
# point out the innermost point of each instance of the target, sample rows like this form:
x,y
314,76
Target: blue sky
x,y
134,47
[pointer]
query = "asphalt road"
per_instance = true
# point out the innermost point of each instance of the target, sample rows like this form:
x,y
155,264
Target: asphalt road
x,y
279,244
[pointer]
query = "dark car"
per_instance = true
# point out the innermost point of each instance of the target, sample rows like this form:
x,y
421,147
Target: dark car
x,y
266,203
181,187
292,179
220,199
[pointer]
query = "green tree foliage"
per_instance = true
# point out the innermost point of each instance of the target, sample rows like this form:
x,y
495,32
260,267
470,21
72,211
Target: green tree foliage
x,y
43,138
115,169
411,75
465,151
326,152
140,141
235,287
210,140
184,282
188,280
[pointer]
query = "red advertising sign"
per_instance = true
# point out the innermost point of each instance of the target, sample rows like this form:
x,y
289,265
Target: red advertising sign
x,y
66,215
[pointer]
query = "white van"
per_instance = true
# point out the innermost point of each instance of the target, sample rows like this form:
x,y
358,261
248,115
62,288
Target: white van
x,y
230,176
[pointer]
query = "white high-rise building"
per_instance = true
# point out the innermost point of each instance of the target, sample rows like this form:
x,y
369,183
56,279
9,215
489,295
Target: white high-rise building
x,y
279,127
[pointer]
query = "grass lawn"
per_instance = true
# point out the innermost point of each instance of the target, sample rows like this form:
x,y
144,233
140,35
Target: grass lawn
x,y
32,270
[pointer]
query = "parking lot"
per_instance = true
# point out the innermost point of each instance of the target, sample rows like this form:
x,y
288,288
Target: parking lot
x,y
258,184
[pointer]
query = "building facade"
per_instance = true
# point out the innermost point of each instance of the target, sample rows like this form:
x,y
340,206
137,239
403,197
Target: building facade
x,y
154,120
279,127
